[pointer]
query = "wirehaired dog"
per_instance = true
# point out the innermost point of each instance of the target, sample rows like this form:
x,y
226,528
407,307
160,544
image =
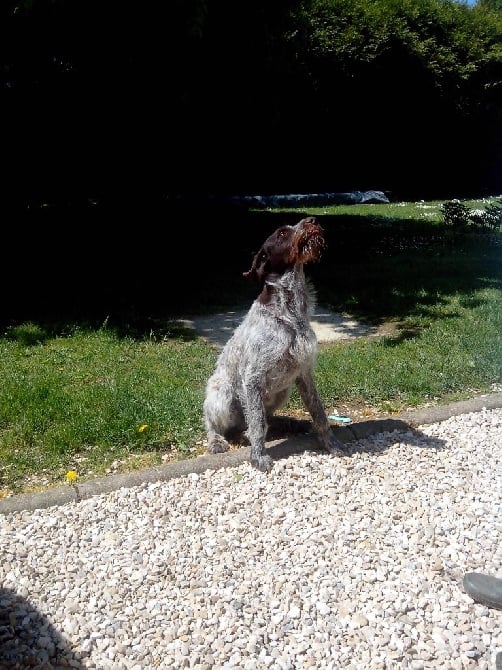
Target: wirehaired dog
x,y
273,348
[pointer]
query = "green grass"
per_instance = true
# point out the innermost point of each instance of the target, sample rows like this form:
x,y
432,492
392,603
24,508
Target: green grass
x,y
452,352
128,393
86,400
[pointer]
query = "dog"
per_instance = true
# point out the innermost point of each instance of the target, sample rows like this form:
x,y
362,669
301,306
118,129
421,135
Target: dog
x,y
272,349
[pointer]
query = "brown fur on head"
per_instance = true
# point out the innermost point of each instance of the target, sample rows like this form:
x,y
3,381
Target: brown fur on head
x,y
286,247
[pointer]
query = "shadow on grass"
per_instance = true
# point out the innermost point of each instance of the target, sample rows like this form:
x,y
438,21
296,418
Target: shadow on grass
x,y
83,268
138,327
373,278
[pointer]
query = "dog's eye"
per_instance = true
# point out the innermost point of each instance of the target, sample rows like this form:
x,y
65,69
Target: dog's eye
x,y
282,234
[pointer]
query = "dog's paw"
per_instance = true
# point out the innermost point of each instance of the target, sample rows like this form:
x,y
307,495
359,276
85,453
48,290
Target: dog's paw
x,y
334,446
218,445
263,463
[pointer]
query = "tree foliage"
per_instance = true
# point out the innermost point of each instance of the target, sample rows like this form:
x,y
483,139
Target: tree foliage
x,y
218,96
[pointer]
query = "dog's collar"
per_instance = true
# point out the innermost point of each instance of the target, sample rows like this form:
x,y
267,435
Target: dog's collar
x,y
272,278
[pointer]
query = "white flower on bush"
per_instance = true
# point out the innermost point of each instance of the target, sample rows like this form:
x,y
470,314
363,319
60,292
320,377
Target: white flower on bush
x,y
490,217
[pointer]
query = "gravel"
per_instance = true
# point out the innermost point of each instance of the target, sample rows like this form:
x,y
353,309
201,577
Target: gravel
x,y
325,563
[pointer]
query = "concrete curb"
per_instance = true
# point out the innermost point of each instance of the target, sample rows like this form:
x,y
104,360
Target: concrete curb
x,y
278,449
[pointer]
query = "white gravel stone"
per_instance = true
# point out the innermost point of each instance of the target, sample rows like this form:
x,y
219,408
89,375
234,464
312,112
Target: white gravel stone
x,y
325,563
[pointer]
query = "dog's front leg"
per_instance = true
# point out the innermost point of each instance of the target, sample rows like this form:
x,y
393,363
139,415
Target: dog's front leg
x,y
308,393
257,428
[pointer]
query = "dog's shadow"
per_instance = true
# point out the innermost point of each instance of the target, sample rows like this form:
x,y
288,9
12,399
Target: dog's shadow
x,y
287,437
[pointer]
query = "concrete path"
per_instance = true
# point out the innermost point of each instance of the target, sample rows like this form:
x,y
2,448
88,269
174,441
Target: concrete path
x,y
328,326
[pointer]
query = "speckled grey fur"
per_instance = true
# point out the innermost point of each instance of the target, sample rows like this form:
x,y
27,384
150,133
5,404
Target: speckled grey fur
x,y
271,350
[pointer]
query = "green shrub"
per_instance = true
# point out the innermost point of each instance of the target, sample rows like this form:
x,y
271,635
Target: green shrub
x,y
459,216
455,214
492,216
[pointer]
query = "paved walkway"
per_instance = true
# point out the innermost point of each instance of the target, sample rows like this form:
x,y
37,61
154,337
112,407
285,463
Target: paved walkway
x,y
328,326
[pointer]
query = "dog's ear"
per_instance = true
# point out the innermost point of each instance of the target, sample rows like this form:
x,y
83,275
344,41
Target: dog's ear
x,y
257,270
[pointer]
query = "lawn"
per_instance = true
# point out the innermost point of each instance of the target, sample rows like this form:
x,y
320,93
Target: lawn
x,y
99,377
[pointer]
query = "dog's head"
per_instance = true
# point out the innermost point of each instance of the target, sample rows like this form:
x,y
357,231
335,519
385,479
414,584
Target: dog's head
x,y
286,247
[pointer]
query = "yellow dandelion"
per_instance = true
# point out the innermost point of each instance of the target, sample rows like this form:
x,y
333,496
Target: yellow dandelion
x,y
143,427
71,476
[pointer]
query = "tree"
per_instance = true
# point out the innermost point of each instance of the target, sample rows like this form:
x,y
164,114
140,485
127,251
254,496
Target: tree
x,y
416,82
214,96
